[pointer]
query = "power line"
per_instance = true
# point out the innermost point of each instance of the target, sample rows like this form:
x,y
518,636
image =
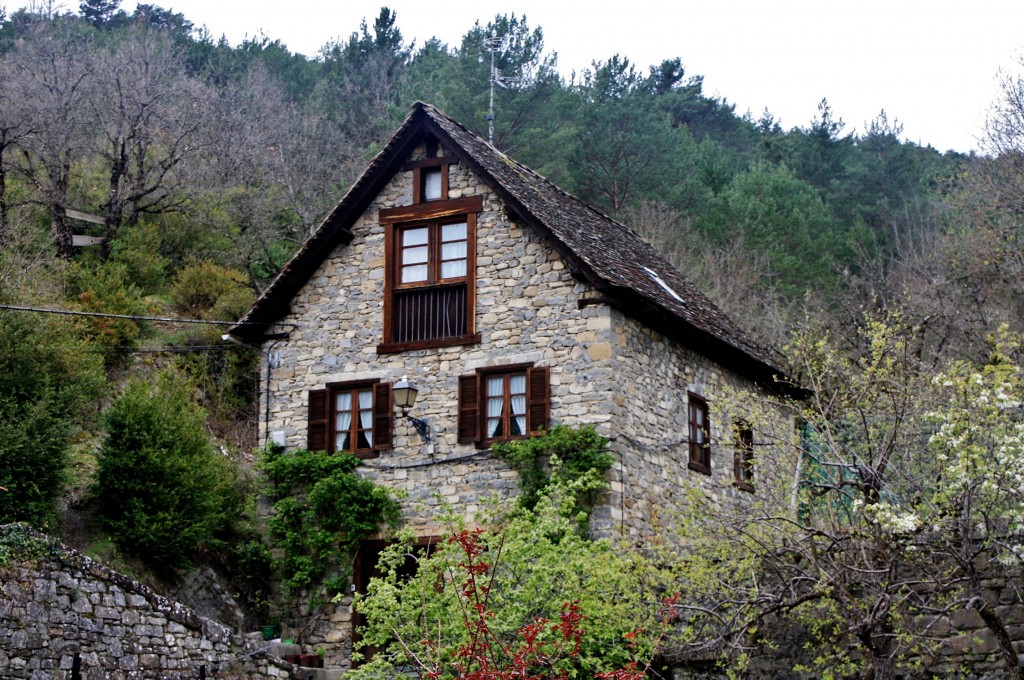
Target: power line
x,y
131,317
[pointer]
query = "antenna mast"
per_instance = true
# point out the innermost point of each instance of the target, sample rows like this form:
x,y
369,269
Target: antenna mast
x,y
493,45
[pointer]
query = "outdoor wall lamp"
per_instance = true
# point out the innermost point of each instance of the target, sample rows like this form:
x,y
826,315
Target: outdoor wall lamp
x,y
405,396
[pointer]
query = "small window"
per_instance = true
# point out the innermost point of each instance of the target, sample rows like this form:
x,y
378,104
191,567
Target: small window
x,y
505,397
353,419
431,178
350,418
501,404
743,462
700,434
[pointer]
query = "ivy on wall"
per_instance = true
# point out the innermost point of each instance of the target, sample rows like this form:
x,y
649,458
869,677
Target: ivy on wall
x,y
575,460
323,509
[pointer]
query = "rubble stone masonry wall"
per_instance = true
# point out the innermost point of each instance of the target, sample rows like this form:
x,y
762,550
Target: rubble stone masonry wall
x,y
56,603
526,311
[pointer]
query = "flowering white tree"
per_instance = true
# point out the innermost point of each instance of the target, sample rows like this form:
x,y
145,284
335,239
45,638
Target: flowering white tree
x,y
906,492
976,511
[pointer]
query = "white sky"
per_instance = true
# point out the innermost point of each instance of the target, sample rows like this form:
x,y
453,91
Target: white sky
x,y
931,64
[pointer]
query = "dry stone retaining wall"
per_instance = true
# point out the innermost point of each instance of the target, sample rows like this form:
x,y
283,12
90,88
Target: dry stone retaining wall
x,y
56,603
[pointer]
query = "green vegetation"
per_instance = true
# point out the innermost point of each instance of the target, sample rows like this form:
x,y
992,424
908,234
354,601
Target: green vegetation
x,y
49,381
164,492
527,566
572,460
18,543
323,509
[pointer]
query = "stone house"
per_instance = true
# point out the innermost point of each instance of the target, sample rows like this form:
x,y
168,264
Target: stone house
x,y
512,306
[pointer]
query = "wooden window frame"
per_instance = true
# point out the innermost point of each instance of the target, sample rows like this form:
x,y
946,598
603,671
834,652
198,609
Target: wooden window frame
x,y
472,403
700,451
322,418
432,214
743,457
418,176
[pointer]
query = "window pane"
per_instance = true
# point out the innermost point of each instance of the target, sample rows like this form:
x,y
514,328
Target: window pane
x,y
341,441
431,183
415,237
414,273
454,232
453,251
495,386
453,270
417,255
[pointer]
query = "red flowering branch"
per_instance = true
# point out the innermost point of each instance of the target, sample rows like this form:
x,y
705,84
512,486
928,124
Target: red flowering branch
x,y
540,650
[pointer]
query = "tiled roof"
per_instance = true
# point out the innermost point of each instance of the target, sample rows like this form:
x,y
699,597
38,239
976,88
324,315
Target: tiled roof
x,y
621,265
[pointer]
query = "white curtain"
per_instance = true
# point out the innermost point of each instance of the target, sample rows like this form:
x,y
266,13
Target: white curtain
x,y
453,250
366,415
343,421
495,405
517,390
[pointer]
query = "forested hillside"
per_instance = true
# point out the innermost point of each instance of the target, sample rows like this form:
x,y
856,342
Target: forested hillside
x,y
201,166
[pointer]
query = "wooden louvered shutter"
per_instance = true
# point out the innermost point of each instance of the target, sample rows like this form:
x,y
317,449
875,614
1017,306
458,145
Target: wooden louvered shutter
x,y
316,438
540,401
383,409
469,409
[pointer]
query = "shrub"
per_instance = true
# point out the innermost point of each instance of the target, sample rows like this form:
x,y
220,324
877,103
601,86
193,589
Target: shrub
x,y
324,510
575,459
484,592
202,286
162,489
49,381
106,289
138,252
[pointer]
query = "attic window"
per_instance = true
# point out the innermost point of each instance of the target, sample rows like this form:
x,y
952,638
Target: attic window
x,y
658,280
431,183
430,178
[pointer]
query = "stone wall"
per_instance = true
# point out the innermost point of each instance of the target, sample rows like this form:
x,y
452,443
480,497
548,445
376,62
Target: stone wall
x,y
526,311
606,370
650,431
56,603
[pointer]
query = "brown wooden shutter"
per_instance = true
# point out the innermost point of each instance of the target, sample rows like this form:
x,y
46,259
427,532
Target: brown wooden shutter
x,y
316,438
540,400
469,409
383,410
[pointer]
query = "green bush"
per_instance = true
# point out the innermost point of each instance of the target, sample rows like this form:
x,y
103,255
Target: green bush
x,y
324,510
106,288
163,491
203,287
574,459
531,564
138,252
49,382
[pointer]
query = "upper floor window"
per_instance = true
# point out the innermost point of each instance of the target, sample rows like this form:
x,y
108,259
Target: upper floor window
x,y
700,434
430,268
743,460
432,183
430,178
433,253
498,404
352,417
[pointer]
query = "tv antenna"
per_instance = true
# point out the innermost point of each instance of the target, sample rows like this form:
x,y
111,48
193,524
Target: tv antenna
x,y
495,44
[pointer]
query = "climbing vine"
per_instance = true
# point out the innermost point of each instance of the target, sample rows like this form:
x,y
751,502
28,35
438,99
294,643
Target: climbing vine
x,y
575,459
323,509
